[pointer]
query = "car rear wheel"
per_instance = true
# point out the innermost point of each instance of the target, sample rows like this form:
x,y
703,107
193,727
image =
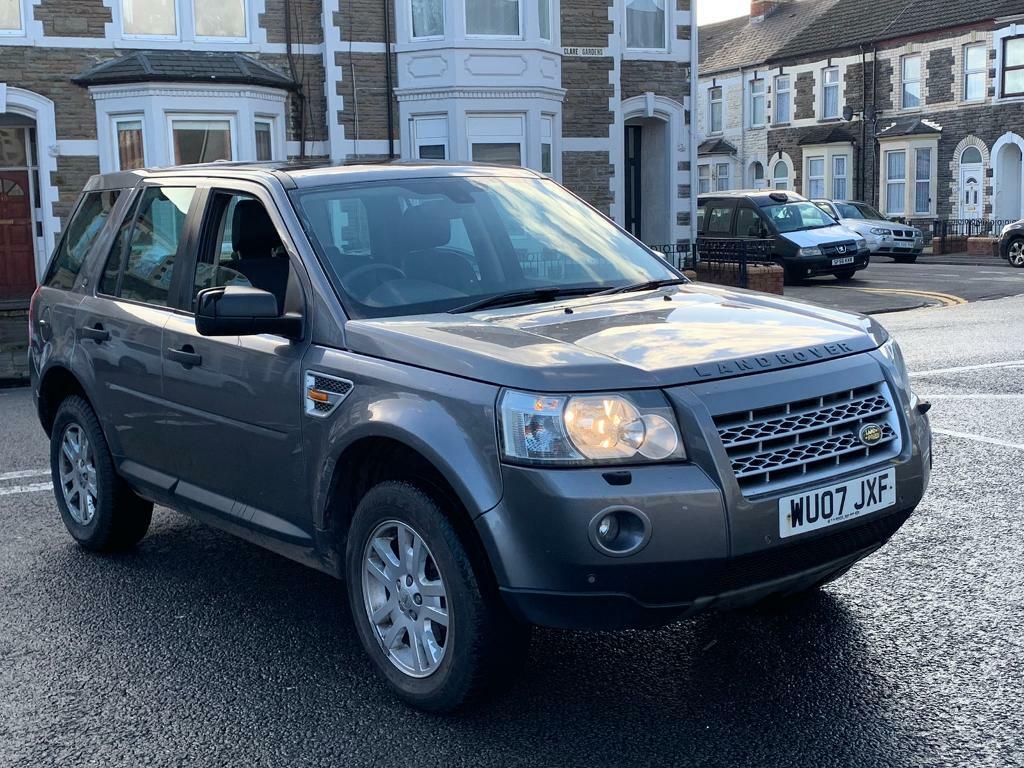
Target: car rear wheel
x,y
99,510
844,274
905,259
1015,252
435,629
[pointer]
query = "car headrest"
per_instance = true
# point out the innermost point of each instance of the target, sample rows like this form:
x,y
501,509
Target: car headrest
x,y
428,225
252,231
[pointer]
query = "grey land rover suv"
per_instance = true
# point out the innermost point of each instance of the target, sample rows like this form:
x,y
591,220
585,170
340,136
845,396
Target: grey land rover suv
x,y
467,394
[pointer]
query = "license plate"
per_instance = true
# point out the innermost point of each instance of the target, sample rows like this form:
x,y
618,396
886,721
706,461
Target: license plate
x,y
844,260
837,503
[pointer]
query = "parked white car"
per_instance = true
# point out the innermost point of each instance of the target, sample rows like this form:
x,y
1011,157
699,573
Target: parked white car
x,y
901,241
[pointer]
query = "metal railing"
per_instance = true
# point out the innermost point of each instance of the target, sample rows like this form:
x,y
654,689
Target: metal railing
x,y
943,230
722,259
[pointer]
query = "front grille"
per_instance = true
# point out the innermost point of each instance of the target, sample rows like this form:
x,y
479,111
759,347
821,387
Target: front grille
x,y
848,248
775,447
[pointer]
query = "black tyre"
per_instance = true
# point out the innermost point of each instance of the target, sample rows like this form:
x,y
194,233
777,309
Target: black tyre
x,y
99,510
844,274
1015,252
795,276
435,629
905,259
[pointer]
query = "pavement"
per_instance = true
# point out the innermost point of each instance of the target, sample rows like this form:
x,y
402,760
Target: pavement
x,y
199,649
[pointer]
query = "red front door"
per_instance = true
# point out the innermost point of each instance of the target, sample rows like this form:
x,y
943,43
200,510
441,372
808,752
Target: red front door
x,y
17,252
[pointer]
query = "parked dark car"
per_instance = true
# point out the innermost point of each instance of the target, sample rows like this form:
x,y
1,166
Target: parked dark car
x,y
468,394
1011,243
806,240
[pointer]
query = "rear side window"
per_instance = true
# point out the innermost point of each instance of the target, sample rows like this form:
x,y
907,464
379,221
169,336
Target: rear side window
x,y
748,222
85,225
141,262
719,219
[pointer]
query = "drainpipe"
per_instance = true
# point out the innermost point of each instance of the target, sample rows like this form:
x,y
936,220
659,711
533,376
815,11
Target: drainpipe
x,y
862,149
874,123
743,130
387,79
299,94
694,74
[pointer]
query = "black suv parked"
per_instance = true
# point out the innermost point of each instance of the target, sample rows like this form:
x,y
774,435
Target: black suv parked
x,y
806,240
466,392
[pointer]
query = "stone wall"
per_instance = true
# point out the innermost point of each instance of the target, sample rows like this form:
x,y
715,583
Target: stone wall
x,y
585,112
70,178
307,23
362,21
363,89
48,71
88,18
310,73
803,107
665,78
940,76
587,174
585,23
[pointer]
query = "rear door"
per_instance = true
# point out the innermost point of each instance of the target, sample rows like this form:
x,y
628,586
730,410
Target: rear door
x,y
119,328
238,401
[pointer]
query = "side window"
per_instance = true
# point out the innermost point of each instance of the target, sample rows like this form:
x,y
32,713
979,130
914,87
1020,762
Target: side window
x,y
85,225
719,219
748,222
241,246
700,218
148,248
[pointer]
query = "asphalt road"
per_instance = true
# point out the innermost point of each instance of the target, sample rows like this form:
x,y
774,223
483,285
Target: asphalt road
x,y
886,286
198,649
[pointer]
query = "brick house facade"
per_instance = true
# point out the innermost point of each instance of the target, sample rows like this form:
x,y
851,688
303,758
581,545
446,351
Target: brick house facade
x,y
937,123
596,93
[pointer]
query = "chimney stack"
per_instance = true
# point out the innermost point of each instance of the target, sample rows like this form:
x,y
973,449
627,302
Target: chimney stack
x,y
762,9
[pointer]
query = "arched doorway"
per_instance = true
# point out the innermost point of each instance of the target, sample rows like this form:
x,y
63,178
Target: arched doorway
x,y
1008,177
648,160
780,175
971,180
19,208
755,175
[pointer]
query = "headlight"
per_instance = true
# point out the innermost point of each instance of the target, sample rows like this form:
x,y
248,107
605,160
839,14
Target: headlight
x,y
588,429
812,251
891,351
861,243
879,231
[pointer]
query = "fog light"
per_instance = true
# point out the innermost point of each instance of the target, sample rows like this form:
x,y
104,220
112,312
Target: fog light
x,y
619,531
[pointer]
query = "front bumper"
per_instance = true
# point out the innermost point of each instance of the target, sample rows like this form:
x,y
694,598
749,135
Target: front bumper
x,y
822,265
710,547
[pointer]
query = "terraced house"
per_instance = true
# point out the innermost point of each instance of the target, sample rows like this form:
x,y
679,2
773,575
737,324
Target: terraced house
x,y
595,93
916,106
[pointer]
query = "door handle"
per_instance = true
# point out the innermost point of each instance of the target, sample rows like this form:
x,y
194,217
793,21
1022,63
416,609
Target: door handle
x,y
187,356
97,333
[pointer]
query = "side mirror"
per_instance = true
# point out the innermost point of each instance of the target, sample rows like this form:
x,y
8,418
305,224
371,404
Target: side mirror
x,y
236,310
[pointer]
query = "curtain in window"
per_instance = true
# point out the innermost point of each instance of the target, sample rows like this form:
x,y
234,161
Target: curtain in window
x,y
816,177
220,18
149,17
544,18
896,175
130,153
645,24
492,17
839,177
264,142
427,18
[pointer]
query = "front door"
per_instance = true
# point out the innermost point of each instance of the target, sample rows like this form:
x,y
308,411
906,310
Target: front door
x,y
634,134
970,192
17,252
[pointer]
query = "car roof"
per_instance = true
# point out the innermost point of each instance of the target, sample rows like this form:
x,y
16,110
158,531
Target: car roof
x,y
299,174
759,197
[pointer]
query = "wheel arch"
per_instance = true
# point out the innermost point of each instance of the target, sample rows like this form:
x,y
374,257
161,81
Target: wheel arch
x,y
56,384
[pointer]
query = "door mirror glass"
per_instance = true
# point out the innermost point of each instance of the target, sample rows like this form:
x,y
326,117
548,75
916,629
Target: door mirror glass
x,y
241,311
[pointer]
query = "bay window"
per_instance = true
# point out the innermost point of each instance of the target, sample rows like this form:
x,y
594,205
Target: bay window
x,y
646,25
839,176
201,140
427,18
722,183
782,99
922,180
910,79
974,71
493,18
757,103
547,130
816,177
830,93
1013,67
895,182
496,139
544,18
130,149
430,137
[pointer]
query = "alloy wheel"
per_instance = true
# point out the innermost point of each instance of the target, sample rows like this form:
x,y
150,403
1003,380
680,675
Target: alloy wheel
x,y
1016,253
405,598
78,474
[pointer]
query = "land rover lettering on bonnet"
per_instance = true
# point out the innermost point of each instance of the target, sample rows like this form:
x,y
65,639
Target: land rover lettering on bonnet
x,y
470,397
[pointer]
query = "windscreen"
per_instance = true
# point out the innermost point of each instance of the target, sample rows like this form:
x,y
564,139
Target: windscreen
x,y
418,246
793,217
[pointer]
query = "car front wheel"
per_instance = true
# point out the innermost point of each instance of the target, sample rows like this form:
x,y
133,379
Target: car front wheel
x,y
436,631
1015,252
905,259
845,274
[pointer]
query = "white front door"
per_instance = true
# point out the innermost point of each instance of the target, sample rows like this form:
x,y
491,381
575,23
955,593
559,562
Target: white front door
x,y
970,191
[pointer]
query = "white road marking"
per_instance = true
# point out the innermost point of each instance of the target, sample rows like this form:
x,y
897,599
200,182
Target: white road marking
x,y
962,368
23,473
979,438
33,488
975,396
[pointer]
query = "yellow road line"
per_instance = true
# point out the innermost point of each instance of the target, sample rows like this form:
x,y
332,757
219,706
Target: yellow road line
x,y
946,299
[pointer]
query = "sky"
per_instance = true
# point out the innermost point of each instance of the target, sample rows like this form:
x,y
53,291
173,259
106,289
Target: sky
x,y
709,11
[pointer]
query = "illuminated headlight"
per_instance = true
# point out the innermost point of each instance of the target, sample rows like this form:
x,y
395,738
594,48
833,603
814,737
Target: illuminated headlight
x,y
891,352
812,251
879,231
588,429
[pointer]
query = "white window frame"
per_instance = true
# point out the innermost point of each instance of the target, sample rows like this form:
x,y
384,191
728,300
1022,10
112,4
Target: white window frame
x,y
270,120
230,117
444,23
776,178
704,179
419,140
825,85
926,180
812,178
723,177
475,36
754,96
777,100
712,101
889,183
968,71
669,4
547,138
904,82
246,10
498,138
21,31
125,35
131,117
1004,44
845,176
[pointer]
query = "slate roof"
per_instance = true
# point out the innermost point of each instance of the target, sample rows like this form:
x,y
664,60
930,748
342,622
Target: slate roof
x,y
826,134
184,67
716,147
908,126
804,27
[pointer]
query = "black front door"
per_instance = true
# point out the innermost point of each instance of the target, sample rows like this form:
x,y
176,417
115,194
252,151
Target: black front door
x,y
633,201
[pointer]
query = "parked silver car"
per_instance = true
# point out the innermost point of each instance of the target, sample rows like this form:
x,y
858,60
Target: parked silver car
x,y
466,393
901,241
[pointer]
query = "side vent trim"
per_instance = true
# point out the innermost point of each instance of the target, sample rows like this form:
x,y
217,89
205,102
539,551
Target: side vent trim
x,y
324,393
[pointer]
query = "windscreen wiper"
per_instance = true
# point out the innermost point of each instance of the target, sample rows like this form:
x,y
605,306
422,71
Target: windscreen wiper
x,y
513,298
649,285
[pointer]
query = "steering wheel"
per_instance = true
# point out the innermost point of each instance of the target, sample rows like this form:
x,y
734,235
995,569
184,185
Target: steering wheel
x,y
352,278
